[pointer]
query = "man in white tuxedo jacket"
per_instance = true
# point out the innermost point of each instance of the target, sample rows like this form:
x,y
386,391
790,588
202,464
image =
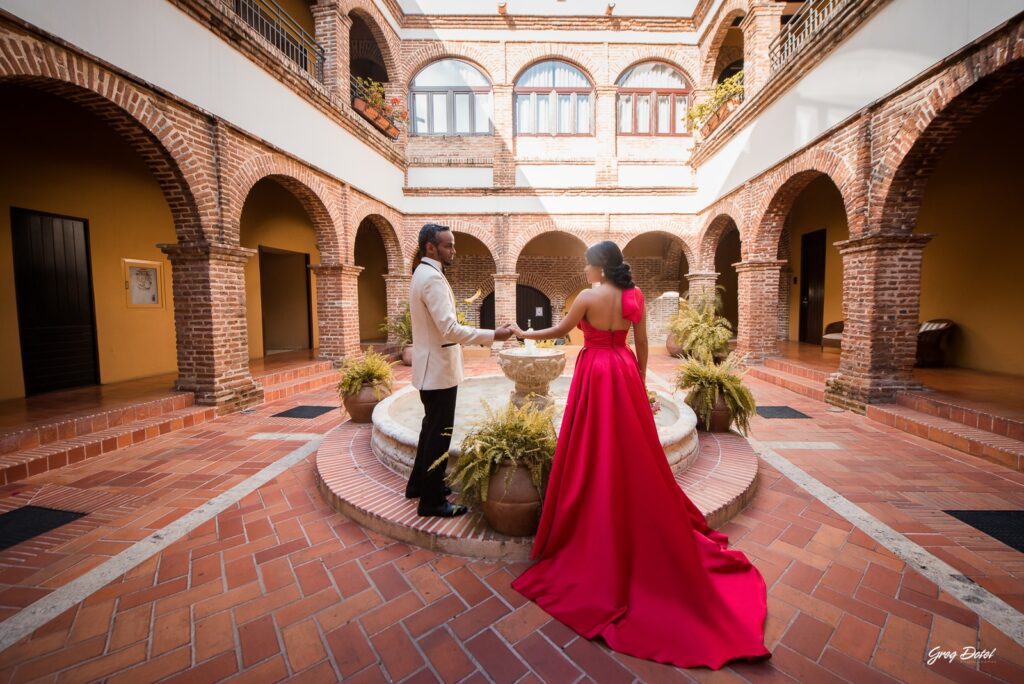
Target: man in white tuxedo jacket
x,y
437,339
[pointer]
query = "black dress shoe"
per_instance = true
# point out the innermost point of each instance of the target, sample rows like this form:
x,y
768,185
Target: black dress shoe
x,y
445,510
414,492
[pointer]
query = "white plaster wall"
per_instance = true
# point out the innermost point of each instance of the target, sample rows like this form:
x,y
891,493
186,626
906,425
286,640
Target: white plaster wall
x,y
655,175
571,8
555,176
897,44
450,177
160,44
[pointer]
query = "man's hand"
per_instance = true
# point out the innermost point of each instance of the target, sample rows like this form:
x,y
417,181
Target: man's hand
x,y
503,333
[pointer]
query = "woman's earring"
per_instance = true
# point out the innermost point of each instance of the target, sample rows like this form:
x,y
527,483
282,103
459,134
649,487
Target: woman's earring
x,y
602,273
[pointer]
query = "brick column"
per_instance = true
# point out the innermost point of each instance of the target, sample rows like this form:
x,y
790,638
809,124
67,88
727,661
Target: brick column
x,y
505,302
331,31
337,309
504,137
607,161
760,26
397,288
210,324
701,284
881,306
759,308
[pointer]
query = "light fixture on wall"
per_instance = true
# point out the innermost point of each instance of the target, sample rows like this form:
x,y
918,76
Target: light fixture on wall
x,y
502,7
609,9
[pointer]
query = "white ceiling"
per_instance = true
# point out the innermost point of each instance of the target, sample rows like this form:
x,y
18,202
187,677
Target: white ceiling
x,y
574,8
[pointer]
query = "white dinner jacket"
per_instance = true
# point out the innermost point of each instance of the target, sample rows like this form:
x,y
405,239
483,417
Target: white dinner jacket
x,y
437,337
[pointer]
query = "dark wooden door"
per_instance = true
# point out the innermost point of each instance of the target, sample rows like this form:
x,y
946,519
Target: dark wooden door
x,y
53,287
812,286
528,301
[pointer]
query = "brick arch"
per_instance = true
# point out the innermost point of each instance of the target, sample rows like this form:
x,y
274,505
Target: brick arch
x,y
541,282
389,47
384,220
422,57
320,204
523,238
149,127
710,235
579,59
684,64
952,103
783,185
729,11
685,247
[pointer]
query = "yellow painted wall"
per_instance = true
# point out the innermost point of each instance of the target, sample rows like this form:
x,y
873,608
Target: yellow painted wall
x,y
727,254
373,300
272,217
972,270
299,11
283,288
819,206
57,158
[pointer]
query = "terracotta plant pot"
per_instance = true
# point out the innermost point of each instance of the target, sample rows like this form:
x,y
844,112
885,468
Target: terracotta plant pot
x,y
392,131
512,509
672,345
359,406
372,113
359,104
721,417
407,355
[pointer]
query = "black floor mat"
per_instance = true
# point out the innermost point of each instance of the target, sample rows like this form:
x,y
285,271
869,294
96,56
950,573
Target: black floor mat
x,y
305,411
779,412
26,522
1006,526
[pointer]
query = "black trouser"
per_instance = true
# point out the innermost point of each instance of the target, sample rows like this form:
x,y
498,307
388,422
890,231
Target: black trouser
x,y
435,438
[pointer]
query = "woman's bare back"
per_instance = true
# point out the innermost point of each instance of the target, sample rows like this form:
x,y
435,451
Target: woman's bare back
x,y
604,308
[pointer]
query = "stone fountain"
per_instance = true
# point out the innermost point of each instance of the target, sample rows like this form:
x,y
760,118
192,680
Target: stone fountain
x,y
532,369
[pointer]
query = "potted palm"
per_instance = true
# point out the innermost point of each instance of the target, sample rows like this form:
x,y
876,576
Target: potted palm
x,y
717,393
504,465
364,382
399,329
699,330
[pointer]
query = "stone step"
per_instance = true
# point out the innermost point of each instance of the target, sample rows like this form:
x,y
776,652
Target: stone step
x,y
299,385
73,425
807,387
796,369
288,375
943,406
720,482
1000,449
18,465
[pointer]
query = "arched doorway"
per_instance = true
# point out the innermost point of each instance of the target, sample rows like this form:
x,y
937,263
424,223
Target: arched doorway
x,y
280,288
82,216
372,256
659,265
728,253
533,309
366,59
552,264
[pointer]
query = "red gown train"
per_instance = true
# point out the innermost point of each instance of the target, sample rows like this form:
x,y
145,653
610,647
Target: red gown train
x,y
621,552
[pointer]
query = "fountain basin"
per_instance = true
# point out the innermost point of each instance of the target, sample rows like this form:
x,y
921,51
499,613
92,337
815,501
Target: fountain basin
x,y
397,419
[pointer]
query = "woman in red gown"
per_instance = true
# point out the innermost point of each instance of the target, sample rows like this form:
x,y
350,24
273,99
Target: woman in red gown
x,y
621,552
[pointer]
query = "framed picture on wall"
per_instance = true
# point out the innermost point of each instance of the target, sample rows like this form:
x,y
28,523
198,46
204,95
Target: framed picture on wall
x,y
143,283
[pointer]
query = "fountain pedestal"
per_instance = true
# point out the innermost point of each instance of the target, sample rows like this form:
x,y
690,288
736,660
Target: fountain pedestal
x,y
532,371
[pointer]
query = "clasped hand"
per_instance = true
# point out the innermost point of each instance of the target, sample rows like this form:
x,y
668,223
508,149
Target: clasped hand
x,y
506,331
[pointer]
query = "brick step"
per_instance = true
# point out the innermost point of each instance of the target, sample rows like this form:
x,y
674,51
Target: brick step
x,y
947,407
24,463
720,482
65,427
1000,449
796,369
814,389
288,375
300,385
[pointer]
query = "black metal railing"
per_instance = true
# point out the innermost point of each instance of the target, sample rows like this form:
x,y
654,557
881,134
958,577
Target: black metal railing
x,y
270,21
808,21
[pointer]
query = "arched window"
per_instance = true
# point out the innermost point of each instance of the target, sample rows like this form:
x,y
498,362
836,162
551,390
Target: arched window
x,y
653,100
553,98
450,97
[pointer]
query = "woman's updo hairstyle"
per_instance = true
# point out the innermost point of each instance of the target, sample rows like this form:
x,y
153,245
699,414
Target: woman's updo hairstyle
x,y
608,257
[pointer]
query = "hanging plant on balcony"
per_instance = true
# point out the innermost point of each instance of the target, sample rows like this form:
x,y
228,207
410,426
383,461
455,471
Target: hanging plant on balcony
x,y
370,100
725,97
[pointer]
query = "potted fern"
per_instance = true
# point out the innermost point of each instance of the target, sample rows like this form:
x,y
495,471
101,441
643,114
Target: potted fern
x,y
699,330
717,393
399,329
504,465
364,382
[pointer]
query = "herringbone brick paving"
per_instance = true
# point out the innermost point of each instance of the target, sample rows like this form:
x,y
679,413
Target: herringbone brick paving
x,y
280,586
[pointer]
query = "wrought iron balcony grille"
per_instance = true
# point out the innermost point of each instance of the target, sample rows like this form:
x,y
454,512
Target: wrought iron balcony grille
x,y
808,21
270,21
